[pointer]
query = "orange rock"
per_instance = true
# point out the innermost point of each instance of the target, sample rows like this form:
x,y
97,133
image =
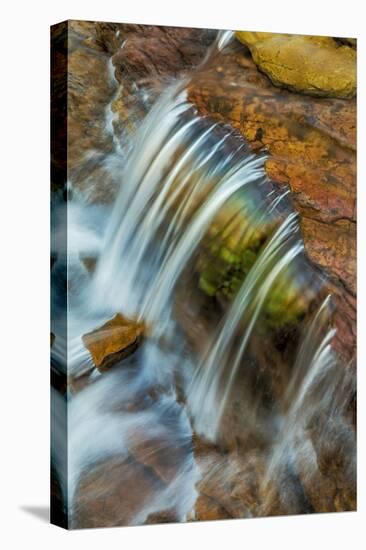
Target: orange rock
x,y
113,341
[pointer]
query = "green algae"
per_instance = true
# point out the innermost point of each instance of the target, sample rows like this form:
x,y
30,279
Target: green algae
x,y
223,270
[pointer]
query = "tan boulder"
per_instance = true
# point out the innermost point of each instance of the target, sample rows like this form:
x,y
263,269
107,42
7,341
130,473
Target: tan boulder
x,y
315,65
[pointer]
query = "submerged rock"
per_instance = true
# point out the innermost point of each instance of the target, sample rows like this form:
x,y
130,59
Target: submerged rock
x,y
163,455
112,493
113,341
224,267
330,485
230,484
315,65
89,263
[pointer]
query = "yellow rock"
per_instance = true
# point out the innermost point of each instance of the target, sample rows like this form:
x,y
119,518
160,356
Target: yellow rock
x,y
315,65
113,341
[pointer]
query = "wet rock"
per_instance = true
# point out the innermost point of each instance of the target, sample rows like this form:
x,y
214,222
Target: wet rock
x,y
310,142
89,90
315,65
236,483
165,516
108,36
112,494
328,471
230,484
113,341
223,268
206,509
89,263
333,250
151,52
145,58
162,453
345,318
79,383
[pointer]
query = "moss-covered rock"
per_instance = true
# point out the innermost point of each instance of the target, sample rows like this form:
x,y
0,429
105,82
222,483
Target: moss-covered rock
x,y
315,65
234,243
230,252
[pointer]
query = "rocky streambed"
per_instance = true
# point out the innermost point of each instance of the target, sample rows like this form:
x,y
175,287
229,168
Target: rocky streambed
x,y
287,433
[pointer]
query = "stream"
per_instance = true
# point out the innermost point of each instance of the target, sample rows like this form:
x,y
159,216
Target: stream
x,y
145,435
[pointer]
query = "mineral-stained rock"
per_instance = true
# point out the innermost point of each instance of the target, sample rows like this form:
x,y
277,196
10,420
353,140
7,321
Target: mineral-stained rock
x,y
113,341
333,244
311,144
315,65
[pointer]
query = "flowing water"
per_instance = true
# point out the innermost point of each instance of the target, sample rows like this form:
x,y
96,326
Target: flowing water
x,y
180,174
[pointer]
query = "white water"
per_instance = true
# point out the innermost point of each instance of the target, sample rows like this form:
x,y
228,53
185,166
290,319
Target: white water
x,y
317,392
209,389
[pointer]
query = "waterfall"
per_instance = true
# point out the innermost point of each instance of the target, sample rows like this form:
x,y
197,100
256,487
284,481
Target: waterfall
x,y
186,182
178,158
315,400
209,390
